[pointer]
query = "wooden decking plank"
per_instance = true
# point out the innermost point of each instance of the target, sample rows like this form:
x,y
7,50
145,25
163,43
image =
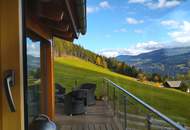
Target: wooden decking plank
x,y
97,118
74,127
114,127
103,127
97,127
85,127
108,126
91,126
65,127
80,127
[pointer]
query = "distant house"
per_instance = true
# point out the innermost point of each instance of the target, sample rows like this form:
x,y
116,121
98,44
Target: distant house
x,y
172,84
181,85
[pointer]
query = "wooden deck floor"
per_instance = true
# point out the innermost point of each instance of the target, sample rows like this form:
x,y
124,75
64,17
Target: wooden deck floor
x,y
98,117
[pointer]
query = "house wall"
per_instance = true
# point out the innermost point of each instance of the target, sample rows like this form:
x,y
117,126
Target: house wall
x,y
166,85
11,58
0,70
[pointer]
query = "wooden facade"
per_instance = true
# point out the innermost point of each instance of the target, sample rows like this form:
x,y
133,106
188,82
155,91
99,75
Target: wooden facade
x,y
11,58
41,20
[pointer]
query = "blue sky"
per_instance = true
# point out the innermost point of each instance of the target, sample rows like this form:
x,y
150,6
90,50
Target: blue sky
x,y
136,26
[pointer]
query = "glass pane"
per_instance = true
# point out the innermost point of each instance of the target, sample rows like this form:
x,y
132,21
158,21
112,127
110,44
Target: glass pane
x,y
34,79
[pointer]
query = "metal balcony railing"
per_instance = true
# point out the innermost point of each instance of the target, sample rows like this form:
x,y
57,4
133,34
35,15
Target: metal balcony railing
x,y
129,112
132,113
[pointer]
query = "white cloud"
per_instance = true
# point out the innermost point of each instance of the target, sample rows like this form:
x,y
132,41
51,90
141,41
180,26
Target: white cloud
x,y
110,52
33,48
92,9
149,46
163,4
123,30
136,1
135,50
104,4
160,4
170,23
133,21
182,34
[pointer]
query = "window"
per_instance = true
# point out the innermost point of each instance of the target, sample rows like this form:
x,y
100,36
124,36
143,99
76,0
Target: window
x,y
34,78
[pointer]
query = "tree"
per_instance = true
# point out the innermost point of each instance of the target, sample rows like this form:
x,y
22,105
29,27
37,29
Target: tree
x,y
104,63
184,86
141,77
156,77
37,73
98,61
62,47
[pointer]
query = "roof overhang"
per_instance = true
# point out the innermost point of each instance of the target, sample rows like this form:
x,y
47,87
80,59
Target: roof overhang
x,y
62,18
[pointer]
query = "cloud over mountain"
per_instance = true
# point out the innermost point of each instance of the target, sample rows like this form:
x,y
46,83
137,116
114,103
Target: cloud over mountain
x,y
135,50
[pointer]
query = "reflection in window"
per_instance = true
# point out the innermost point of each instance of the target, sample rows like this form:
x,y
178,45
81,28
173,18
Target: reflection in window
x,y
34,79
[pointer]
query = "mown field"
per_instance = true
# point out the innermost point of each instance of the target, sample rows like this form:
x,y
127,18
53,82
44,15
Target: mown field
x,y
72,71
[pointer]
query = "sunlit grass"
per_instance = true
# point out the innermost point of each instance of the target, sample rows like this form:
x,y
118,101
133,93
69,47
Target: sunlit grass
x,y
173,103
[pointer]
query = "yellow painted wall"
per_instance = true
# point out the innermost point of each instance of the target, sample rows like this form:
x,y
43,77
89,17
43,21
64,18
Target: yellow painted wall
x,y
10,58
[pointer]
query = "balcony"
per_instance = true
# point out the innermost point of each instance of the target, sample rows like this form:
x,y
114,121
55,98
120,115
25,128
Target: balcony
x,y
98,117
117,109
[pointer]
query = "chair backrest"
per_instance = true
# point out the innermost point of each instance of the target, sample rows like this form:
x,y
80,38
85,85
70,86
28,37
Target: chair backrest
x,y
88,86
79,94
59,89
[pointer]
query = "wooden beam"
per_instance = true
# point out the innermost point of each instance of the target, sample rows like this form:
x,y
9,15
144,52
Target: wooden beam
x,y
33,24
51,10
74,25
64,35
47,84
61,26
50,79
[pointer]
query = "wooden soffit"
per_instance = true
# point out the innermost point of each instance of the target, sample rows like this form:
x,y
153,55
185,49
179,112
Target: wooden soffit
x,y
49,18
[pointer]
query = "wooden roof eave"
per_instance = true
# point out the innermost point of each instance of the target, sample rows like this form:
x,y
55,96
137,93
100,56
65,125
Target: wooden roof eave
x,y
53,17
74,25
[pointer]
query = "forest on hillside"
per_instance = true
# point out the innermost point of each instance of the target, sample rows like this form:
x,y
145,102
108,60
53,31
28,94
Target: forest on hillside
x,y
63,48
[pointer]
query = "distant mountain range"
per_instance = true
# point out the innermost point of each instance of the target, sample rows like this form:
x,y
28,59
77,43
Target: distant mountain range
x,y
33,62
166,61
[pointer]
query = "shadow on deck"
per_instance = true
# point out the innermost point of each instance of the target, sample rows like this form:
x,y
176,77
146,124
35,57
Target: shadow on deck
x,y
98,117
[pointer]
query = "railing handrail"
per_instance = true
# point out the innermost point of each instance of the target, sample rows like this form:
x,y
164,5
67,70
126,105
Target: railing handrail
x,y
162,116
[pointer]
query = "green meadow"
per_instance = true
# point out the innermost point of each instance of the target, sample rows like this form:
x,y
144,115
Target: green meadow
x,y
72,71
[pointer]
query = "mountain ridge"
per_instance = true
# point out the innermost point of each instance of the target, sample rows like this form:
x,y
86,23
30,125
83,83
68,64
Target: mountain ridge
x,y
165,61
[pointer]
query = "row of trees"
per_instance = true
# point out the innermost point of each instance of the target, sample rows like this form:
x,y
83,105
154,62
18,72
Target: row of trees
x,y
62,48
183,76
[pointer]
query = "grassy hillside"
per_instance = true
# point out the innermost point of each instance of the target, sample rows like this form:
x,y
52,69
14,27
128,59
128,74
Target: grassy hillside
x,y
173,103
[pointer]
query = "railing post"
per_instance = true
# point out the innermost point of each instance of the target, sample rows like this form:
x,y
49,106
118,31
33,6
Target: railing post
x,y
103,84
108,92
148,122
125,111
148,119
76,83
114,101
